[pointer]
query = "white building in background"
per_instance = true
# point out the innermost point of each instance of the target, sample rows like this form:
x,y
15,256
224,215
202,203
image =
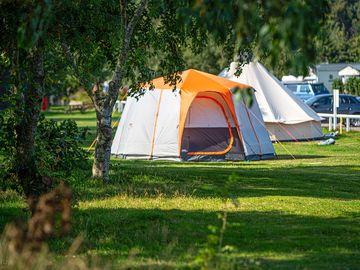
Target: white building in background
x,y
311,78
348,72
291,79
327,73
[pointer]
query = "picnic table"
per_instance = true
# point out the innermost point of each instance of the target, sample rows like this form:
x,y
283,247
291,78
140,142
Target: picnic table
x,y
78,106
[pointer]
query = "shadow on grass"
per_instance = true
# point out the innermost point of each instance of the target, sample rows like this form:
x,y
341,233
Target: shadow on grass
x,y
289,157
150,179
275,239
91,118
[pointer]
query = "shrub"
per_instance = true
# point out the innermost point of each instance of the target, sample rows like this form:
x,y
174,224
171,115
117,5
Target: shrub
x,y
338,84
352,86
58,148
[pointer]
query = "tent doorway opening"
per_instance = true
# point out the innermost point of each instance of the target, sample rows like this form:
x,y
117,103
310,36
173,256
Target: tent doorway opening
x,y
210,131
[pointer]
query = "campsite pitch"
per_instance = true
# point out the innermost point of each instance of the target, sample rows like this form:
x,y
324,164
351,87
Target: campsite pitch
x,y
299,211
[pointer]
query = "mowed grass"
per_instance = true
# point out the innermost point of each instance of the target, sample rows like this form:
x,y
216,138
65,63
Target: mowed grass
x,y
301,213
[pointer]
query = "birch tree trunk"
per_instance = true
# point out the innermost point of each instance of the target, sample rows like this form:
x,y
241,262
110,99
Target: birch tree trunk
x,y
103,142
104,103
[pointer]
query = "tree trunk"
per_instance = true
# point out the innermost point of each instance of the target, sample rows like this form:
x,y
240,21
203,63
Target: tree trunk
x,y
25,165
25,160
103,142
104,103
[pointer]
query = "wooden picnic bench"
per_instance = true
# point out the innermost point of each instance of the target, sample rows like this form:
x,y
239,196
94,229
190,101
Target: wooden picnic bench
x,y
79,106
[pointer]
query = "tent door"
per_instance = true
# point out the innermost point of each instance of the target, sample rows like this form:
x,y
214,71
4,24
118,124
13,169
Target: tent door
x,y
208,131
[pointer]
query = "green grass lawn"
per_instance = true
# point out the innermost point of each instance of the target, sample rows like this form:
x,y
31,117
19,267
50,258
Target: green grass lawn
x,y
301,213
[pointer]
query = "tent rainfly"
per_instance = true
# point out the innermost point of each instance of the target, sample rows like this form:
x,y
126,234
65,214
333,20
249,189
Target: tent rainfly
x,y
197,121
286,117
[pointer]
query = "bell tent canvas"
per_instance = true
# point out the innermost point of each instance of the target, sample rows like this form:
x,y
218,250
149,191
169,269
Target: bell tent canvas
x,y
286,117
196,121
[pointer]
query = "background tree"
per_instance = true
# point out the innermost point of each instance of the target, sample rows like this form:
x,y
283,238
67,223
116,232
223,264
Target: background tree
x,y
338,41
278,33
126,42
23,30
338,84
352,86
211,58
31,68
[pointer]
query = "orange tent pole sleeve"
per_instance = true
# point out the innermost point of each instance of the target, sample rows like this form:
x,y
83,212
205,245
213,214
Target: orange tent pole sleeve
x,y
228,148
186,100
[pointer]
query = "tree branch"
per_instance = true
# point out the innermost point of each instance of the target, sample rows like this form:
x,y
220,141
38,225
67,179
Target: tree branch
x,y
118,75
122,4
130,28
72,62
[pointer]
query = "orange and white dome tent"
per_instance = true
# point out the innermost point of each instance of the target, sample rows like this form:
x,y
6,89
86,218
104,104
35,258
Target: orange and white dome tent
x,y
197,121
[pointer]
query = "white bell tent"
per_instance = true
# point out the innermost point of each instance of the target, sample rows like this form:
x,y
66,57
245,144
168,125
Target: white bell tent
x,y
286,117
197,121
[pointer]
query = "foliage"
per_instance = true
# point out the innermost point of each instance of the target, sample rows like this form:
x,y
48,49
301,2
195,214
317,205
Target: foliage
x,y
278,33
351,86
96,49
58,80
7,140
81,96
23,30
211,58
338,40
58,147
338,84
23,245
44,259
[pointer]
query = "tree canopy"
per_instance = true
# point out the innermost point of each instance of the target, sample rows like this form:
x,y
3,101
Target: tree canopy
x,y
339,39
49,45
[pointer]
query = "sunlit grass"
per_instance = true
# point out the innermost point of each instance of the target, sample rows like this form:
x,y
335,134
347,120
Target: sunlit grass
x,y
293,214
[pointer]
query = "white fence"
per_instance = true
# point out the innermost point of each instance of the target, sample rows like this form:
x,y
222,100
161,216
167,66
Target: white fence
x,y
333,119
